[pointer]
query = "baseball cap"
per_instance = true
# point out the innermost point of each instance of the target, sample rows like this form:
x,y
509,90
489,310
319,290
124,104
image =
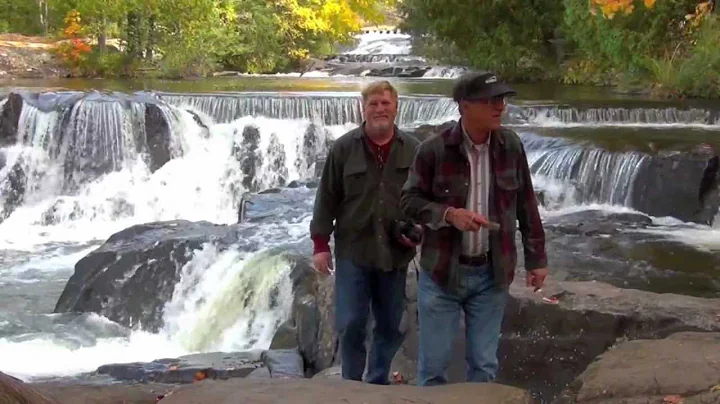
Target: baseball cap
x,y
480,85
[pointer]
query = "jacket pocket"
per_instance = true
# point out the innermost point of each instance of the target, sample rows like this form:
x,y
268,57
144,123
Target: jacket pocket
x,y
507,181
354,180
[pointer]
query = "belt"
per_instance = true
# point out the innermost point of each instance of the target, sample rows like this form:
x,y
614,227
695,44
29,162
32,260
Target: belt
x,y
475,260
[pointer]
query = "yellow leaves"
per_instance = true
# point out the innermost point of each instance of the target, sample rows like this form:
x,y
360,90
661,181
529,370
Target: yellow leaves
x,y
610,8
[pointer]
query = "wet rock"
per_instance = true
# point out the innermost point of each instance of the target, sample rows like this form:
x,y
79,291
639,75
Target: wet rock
x,y
668,185
284,363
186,369
9,118
12,190
285,337
133,274
14,390
646,371
596,222
158,135
338,391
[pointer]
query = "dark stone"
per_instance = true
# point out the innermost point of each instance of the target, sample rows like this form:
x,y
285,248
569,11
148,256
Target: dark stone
x,y
9,119
284,363
12,190
186,369
248,154
157,130
133,274
595,222
668,185
285,337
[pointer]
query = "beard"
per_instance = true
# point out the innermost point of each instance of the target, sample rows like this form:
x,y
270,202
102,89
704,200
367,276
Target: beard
x,y
381,126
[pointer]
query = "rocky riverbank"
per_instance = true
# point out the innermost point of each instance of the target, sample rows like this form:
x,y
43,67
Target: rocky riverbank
x,y
28,57
549,352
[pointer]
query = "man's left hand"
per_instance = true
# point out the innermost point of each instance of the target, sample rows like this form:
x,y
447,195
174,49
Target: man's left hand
x,y
409,243
536,277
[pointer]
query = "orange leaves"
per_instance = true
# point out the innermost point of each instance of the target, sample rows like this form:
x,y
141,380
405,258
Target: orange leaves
x,y
72,51
610,8
702,10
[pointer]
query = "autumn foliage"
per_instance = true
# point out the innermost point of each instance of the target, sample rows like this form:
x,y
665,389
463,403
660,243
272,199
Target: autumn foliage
x,y
609,8
74,47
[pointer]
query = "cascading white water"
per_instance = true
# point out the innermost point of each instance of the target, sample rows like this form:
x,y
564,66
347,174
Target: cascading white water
x,y
563,117
576,175
202,183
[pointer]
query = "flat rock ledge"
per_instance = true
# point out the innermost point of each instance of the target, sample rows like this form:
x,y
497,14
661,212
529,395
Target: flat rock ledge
x,y
258,391
681,369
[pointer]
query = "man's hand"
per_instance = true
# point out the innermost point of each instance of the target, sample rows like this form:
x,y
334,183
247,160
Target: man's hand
x,y
466,220
322,262
536,278
409,243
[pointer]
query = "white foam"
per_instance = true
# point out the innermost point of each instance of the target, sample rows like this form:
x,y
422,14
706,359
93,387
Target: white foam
x,y
203,184
382,44
43,357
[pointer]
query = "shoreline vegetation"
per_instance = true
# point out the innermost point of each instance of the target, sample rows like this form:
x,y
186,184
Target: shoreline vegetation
x,y
662,48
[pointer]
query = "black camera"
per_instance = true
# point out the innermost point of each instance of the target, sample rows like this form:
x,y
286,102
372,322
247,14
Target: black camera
x,y
407,229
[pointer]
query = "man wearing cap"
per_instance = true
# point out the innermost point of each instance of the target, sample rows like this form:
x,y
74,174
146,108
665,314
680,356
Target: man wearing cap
x,y
471,189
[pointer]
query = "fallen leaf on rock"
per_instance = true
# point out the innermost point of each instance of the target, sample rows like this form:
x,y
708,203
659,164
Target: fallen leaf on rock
x,y
715,388
673,400
200,376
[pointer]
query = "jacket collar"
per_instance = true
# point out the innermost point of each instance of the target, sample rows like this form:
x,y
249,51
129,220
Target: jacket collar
x,y
454,136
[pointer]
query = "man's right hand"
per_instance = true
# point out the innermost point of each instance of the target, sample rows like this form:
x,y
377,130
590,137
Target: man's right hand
x,y
466,220
322,262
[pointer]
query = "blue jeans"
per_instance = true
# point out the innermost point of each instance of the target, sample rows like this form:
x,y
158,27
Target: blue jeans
x,y
439,317
358,288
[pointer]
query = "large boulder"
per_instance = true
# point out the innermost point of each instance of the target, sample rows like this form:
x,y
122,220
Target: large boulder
x,y
544,346
13,391
669,185
680,368
133,274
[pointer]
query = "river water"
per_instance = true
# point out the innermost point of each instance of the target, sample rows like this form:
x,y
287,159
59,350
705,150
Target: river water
x,y
588,148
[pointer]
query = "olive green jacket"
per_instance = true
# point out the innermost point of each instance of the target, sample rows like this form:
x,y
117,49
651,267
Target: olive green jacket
x,y
358,202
